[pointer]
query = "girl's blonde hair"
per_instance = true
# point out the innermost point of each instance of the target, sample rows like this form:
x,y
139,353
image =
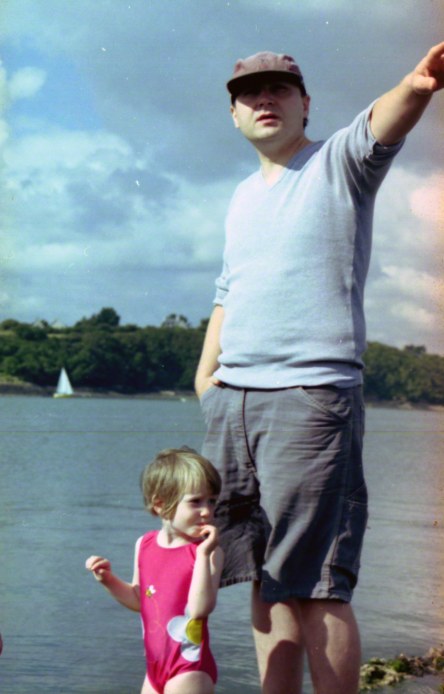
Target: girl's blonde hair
x,y
173,473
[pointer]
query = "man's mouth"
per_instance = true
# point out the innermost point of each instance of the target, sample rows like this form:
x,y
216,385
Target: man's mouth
x,y
264,117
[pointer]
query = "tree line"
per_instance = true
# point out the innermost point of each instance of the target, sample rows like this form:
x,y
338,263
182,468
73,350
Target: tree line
x,y
100,353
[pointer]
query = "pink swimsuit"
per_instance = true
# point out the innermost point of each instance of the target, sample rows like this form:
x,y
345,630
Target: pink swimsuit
x,y
174,643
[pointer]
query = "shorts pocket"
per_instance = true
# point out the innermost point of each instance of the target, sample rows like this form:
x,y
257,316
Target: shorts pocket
x,y
207,394
334,402
351,531
207,401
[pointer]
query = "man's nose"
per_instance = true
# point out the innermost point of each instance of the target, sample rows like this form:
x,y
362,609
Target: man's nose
x,y
265,96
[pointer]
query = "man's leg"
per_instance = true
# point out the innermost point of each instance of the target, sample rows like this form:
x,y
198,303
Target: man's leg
x,y
333,646
328,631
306,444
279,645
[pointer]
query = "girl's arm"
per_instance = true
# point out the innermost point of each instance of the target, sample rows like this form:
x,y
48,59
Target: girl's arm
x,y
206,575
125,593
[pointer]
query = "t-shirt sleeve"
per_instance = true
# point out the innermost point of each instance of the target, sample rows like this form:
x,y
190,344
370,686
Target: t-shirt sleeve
x,y
221,286
365,160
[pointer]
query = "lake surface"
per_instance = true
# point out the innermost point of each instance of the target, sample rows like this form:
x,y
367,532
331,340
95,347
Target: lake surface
x,y
69,488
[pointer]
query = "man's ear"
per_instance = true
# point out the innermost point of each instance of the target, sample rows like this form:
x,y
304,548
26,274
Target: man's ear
x,y
306,102
234,116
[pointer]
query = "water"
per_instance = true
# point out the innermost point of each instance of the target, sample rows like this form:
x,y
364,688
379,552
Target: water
x,y
69,488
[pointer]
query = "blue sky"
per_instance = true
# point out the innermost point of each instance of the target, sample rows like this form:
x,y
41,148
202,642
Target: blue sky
x,y
119,156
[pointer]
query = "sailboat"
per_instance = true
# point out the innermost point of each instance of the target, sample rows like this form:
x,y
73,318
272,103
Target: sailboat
x,y
64,388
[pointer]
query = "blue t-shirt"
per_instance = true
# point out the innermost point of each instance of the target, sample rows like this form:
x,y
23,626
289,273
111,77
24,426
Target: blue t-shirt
x,y
295,264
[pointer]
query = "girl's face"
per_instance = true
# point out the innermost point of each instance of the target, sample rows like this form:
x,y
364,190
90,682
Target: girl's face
x,y
193,511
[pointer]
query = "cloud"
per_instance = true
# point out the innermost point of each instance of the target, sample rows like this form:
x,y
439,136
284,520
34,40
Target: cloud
x,y
427,200
405,289
88,213
94,187
23,84
26,82
161,79
416,287
4,130
407,218
121,156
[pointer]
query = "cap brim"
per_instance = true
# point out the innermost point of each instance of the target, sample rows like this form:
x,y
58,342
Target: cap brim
x,y
236,85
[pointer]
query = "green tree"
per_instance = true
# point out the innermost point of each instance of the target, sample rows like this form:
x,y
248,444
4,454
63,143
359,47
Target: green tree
x,y
29,332
386,372
100,362
106,319
9,324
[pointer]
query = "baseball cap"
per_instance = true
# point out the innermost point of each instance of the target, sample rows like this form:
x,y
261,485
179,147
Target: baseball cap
x,y
262,66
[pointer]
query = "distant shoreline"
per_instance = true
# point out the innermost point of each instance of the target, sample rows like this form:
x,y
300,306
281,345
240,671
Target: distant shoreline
x,y
30,389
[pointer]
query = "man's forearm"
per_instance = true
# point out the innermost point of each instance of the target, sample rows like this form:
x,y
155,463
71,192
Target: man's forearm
x,y
396,113
211,350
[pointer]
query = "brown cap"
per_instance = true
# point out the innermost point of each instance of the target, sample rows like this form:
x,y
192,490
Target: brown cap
x,y
262,66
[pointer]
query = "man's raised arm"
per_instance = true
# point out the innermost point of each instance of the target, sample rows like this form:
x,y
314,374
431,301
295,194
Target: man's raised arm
x,y
397,112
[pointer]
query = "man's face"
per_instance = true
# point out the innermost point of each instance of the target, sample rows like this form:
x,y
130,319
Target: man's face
x,y
271,111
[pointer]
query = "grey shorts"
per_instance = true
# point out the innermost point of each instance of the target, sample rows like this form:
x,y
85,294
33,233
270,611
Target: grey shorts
x,y
293,507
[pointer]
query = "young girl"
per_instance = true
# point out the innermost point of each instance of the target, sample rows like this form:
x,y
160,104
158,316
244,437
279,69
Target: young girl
x,y
176,574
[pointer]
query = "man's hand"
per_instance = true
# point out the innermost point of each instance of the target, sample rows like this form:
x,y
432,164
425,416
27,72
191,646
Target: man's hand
x,y
209,360
202,384
428,75
396,112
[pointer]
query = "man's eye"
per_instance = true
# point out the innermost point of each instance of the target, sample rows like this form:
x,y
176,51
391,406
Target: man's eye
x,y
249,93
280,88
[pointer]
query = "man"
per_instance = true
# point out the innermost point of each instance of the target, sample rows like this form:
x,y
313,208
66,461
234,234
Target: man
x,y
280,374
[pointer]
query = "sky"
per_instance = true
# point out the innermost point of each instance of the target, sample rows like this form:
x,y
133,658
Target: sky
x,y
119,157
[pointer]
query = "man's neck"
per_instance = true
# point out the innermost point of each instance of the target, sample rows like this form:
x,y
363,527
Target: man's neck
x,y
273,160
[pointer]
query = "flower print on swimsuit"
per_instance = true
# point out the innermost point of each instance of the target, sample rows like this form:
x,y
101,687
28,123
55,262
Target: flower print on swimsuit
x,y
155,623
187,632
150,591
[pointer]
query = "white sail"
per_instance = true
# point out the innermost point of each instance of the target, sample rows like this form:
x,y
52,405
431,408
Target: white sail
x,y
64,387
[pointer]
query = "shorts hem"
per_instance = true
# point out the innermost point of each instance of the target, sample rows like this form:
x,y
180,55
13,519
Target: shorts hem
x,y
316,595
225,582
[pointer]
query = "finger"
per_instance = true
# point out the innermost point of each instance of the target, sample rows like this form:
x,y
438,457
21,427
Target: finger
x,y
424,85
90,562
209,535
94,563
207,529
437,50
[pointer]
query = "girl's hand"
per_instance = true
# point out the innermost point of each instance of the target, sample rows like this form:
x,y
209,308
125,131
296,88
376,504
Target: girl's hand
x,y
211,540
100,567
